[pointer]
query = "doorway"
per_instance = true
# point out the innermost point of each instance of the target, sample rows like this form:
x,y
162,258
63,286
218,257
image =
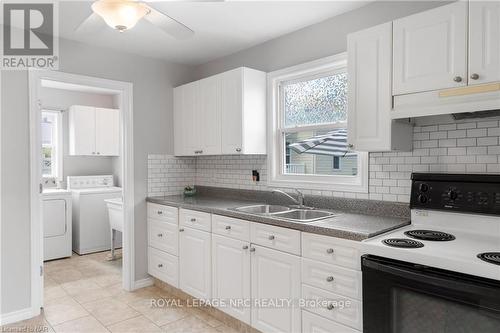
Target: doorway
x,y
43,143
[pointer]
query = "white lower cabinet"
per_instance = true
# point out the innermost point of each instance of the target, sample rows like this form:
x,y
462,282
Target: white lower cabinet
x,y
231,276
195,262
163,266
275,277
312,323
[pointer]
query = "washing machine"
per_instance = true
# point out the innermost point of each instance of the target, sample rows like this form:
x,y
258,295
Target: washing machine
x,y
56,212
91,231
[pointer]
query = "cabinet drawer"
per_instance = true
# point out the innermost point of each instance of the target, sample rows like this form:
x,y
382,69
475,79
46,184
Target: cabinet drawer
x,y
332,306
231,227
163,236
163,266
164,213
195,220
282,239
331,250
333,278
312,323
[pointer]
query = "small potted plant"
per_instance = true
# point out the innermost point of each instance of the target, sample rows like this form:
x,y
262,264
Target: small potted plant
x,y
189,191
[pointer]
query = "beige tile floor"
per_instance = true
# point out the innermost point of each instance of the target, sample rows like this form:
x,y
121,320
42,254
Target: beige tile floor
x,y
84,294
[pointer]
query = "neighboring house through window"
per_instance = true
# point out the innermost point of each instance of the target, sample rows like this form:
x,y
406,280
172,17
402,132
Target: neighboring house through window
x,y
52,154
308,127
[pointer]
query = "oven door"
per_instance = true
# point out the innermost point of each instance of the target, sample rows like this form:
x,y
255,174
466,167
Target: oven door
x,y
401,297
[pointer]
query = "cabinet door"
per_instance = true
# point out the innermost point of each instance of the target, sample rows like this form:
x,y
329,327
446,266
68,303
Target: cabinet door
x,y
369,96
179,121
275,275
484,41
231,275
82,130
430,49
107,132
208,116
195,262
190,126
232,111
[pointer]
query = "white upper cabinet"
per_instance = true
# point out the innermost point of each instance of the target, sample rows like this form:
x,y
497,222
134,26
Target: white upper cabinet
x,y
222,114
484,42
370,96
94,131
430,50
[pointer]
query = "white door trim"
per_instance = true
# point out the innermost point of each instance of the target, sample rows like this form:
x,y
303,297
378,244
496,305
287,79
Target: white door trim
x,y
124,92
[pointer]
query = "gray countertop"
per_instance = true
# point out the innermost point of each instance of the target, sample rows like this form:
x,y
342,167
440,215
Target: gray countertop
x,y
345,225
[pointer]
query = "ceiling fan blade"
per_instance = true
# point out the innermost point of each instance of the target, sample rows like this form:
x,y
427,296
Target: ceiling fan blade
x,y
92,24
169,25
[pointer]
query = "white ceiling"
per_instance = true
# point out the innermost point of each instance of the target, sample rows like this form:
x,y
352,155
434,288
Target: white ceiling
x,y
221,28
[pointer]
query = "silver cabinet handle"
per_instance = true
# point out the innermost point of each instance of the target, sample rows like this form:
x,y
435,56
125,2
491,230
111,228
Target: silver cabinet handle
x,y
98,153
159,212
252,249
181,230
457,79
160,235
329,251
245,247
329,279
228,227
350,146
200,151
330,306
474,76
271,237
193,220
160,265
238,150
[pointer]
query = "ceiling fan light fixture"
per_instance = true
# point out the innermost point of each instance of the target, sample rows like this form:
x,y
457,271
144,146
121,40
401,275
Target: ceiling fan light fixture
x,y
120,14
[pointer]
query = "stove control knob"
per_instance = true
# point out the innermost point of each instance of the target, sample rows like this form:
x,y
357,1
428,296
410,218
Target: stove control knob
x,y
452,195
422,199
423,187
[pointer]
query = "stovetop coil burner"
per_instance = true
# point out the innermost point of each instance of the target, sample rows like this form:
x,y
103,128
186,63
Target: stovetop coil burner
x,y
430,235
490,257
403,243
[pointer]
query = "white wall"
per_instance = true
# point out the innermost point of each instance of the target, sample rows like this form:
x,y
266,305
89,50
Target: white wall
x,y
79,165
153,81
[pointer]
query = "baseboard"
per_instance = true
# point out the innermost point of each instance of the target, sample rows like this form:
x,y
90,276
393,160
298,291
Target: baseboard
x,y
19,315
143,283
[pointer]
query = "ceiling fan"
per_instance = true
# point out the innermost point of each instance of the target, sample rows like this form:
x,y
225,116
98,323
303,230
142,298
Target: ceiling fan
x,y
123,15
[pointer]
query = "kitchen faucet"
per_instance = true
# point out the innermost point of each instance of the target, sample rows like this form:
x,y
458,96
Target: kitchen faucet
x,y
300,197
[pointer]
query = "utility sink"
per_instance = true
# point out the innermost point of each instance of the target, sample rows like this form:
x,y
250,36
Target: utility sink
x,y
305,215
262,209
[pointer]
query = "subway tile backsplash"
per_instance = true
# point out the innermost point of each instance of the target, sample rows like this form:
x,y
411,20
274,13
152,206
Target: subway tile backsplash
x,y
444,145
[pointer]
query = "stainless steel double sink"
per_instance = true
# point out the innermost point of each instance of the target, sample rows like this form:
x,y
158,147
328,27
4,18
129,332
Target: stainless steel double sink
x,y
300,215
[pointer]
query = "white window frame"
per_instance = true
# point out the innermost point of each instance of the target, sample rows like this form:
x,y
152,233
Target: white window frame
x,y
58,174
277,177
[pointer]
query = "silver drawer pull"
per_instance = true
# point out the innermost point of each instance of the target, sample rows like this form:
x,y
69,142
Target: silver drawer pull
x,y
245,247
159,212
160,265
252,249
329,279
228,227
474,76
160,235
329,251
457,79
181,230
193,220
271,237
330,306
238,150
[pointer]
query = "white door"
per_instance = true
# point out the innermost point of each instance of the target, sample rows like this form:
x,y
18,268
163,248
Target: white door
x,y
430,50
208,116
232,112
179,122
107,132
190,126
82,130
195,262
370,101
231,275
54,217
484,41
275,275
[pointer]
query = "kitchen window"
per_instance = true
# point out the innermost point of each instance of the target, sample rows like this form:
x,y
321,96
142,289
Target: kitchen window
x,y
52,150
308,127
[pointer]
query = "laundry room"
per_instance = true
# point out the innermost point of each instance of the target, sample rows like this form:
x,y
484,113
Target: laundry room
x,y
81,188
